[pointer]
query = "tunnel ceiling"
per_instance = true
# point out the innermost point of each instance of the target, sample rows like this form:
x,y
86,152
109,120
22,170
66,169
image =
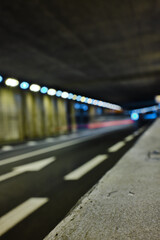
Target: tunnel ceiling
x,y
108,50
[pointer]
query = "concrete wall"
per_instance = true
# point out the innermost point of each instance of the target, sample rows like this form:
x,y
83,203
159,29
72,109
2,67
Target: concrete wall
x,y
25,115
11,122
62,116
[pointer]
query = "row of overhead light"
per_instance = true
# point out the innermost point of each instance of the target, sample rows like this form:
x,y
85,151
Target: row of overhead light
x,y
145,109
11,82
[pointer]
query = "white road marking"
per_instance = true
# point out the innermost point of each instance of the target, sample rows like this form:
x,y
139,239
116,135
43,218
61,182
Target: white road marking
x,y
136,133
121,144
63,137
129,138
48,149
7,148
139,131
44,150
116,146
30,167
31,143
19,213
81,171
49,140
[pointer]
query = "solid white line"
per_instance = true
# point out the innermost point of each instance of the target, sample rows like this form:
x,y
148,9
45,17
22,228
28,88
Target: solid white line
x,y
81,171
116,146
19,213
44,150
129,138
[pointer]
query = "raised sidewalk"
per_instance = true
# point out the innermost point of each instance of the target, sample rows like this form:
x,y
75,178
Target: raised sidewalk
x,y
125,204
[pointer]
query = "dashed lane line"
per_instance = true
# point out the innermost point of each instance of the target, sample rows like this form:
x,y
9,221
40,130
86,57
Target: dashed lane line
x,y
139,131
85,168
45,150
121,144
82,170
51,148
116,146
19,213
129,138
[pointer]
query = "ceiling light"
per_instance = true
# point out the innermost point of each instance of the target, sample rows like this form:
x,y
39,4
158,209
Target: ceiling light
x,y
51,92
11,82
95,102
74,97
1,78
24,85
89,100
34,88
70,96
59,93
44,90
83,99
64,95
78,98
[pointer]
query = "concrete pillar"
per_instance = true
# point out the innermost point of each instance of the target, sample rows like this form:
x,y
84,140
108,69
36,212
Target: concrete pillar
x,y
28,115
92,113
10,115
62,116
33,116
38,116
19,107
50,116
73,117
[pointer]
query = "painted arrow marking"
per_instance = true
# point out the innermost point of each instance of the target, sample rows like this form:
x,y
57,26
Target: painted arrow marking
x,y
30,167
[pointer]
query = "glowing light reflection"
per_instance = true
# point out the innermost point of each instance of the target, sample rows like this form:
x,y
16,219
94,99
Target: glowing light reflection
x,y
34,88
11,82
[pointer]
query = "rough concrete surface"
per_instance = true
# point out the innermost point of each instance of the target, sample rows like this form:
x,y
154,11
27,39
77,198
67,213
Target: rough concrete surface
x,y
125,204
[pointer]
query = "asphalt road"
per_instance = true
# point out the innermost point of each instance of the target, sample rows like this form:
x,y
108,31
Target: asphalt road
x,y
38,181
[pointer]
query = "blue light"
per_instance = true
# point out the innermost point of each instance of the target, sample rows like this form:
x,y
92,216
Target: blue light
x,y
150,116
44,90
58,93
24,85
86,100
84,107
77,106
99,110
92,101
79,98
1,78
134,116
70,96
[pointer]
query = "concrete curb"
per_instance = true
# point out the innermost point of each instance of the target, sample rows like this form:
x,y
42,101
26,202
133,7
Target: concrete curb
x,y
125,204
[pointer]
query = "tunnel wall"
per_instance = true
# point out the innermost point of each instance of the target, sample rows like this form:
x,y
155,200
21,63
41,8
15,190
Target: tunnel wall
x,y
26,115
11,122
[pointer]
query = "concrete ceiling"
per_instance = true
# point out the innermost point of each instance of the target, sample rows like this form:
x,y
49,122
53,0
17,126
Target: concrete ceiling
x,y
108,50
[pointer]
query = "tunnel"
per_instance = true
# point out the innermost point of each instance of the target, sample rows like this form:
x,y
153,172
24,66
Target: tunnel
x,y
79,119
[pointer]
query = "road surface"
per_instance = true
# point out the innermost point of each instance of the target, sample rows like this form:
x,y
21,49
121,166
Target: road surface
x,y
40,181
